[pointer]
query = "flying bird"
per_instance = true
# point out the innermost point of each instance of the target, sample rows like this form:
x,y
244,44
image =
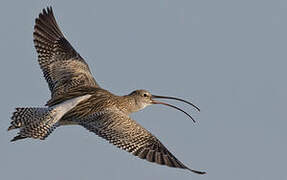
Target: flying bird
x,y
77,99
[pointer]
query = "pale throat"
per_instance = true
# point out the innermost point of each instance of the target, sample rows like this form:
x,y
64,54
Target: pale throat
x,y
131,105
143,105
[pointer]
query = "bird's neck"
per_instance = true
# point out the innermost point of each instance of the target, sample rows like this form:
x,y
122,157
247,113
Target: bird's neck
x,y
128,104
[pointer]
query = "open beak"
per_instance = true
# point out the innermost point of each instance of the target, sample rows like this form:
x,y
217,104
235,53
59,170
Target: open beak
x,y
174,98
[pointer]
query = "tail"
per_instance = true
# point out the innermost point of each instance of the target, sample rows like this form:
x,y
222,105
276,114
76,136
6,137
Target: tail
x,y
33,123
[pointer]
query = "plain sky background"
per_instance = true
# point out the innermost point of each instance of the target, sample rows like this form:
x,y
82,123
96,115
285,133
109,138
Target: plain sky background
x,y
227,57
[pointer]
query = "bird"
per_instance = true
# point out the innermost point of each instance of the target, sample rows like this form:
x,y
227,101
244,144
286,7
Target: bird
x,y
77,99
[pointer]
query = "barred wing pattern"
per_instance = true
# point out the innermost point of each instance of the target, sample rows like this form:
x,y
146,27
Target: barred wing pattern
x,y
122,131
62,66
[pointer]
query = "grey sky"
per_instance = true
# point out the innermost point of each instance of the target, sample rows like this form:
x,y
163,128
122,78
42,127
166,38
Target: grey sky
x,y
227,57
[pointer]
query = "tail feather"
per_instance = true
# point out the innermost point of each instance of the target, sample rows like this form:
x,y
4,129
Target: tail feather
x,y
18,138
24,116
38,123
33,122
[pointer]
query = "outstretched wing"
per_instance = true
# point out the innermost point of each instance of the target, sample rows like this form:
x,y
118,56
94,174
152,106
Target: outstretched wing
x,y
62,66
120,130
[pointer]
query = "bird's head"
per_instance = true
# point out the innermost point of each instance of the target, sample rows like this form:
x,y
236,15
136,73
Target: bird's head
x,y
143,98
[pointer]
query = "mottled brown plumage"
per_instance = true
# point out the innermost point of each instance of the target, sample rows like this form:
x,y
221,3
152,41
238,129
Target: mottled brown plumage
x,y
76,98
62,66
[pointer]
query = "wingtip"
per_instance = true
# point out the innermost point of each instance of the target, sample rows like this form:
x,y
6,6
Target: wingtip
x,y
50,9
44,11
47,10
197,172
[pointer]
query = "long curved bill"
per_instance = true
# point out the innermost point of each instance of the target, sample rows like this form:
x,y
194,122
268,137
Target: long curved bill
x,y
174,98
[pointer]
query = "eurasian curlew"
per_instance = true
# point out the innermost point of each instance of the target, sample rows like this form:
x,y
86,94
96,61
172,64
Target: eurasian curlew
x,y
76,98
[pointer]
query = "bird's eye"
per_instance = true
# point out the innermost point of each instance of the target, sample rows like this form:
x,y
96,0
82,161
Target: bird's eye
x,y
145,95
